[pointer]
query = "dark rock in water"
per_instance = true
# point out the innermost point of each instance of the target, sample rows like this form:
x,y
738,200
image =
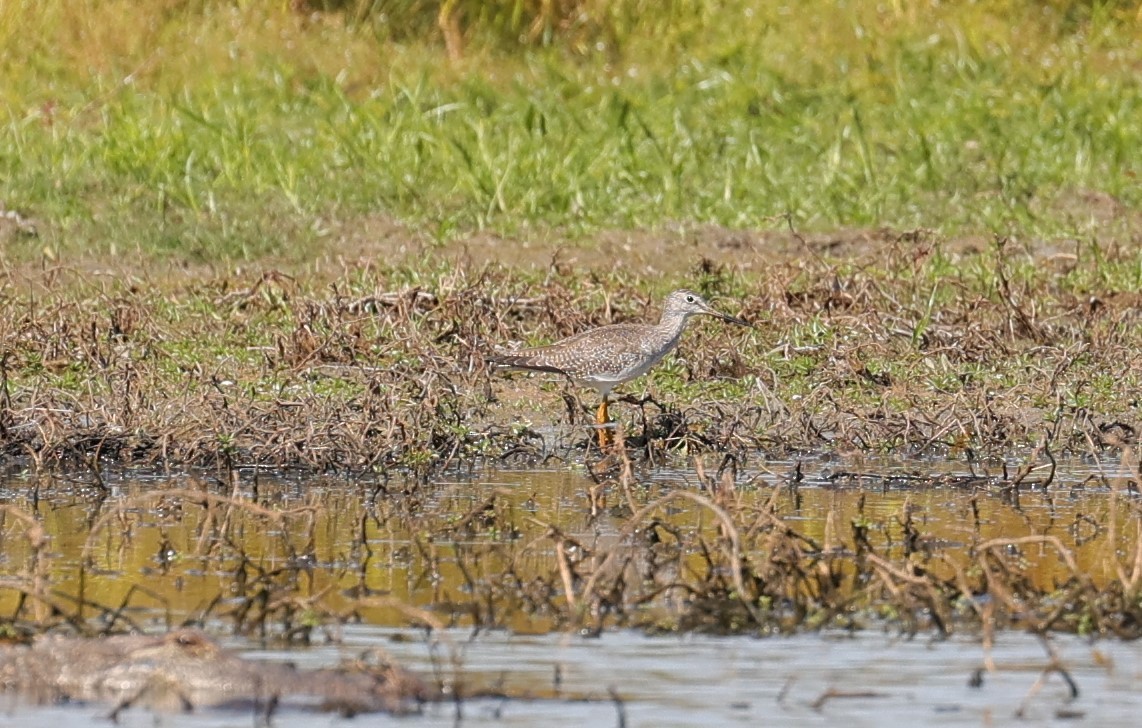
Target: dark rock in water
x,y
186,670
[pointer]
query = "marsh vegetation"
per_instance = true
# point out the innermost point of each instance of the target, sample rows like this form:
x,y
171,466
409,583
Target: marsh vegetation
x,y
252,257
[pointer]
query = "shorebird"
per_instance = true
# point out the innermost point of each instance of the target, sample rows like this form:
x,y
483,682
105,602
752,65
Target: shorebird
x,y
608,356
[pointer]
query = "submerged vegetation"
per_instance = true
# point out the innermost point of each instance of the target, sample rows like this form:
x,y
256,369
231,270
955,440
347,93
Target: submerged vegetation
x,y
808,547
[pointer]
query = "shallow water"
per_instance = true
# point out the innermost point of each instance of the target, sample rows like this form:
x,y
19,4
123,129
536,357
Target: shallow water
x,y
156,554
153,554
685,681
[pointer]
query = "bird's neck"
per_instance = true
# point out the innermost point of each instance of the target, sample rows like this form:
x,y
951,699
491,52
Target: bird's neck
x,y
672,324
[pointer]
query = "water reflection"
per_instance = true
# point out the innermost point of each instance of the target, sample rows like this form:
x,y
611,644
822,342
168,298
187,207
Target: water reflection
x,y
474,548
873,679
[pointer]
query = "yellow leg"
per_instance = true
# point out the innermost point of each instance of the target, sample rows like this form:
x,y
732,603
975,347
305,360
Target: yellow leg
x,y
602,420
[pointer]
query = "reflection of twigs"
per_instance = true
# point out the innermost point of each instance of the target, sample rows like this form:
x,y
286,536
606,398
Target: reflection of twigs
x,y
1028,465
1055,665
561,541
54,605
1055,541
204,498
729,530
962,584
565,573
421,615
435,626
38,540
785,689
766,514
620,706
627,476
884,570
882,564
1130,583
118,613
832,693
24,517
481,508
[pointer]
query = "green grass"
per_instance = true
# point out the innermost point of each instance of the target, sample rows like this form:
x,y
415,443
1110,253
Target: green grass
x,y
207,132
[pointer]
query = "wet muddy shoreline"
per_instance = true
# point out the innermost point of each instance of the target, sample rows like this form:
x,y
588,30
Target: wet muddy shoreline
x,y
909,346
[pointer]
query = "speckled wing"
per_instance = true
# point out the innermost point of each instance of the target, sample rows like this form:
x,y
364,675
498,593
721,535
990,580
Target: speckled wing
x,y
609,354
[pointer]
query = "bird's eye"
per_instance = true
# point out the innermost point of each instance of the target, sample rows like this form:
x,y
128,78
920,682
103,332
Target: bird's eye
x,y
689,299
